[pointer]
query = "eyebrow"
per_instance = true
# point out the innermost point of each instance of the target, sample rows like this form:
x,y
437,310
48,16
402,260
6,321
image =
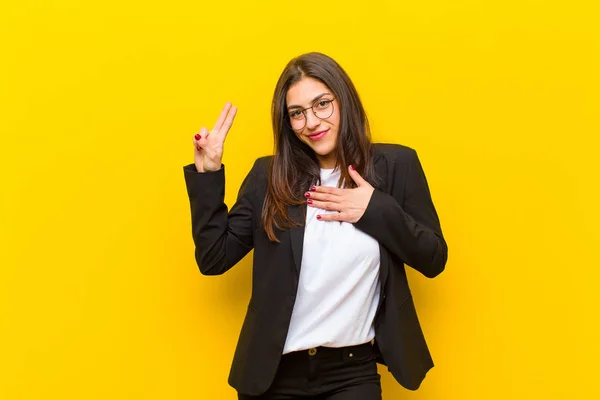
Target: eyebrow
x,y
312,101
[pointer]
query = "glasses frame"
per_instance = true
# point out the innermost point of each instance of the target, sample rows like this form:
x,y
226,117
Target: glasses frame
x,y
288,118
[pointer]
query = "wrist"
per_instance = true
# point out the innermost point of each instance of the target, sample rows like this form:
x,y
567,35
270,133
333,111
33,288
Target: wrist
x,y
210,169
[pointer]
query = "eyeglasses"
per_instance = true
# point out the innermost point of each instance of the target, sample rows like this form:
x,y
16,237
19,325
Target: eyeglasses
x,y
322,108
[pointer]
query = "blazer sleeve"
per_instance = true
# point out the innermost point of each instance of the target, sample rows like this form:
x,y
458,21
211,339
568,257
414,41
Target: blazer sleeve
x,y
222,237
405,221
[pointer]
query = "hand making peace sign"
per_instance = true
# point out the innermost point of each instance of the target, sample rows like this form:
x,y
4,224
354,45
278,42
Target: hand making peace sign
x,y
208,146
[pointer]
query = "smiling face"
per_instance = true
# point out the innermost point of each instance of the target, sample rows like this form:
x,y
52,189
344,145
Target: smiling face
x,y
320,134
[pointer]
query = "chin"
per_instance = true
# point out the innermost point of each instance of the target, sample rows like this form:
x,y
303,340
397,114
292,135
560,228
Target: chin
x,y
323,151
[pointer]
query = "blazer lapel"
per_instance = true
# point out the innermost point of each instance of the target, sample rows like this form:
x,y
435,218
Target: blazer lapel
x,y
297,214
382,172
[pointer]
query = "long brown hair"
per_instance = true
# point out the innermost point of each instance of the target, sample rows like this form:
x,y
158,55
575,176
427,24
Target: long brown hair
x,y
294,167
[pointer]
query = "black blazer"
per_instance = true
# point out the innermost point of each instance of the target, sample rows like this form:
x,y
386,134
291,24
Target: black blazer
x,y
400,216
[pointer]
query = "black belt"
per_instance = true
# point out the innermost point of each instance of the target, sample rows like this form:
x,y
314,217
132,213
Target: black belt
x,y
360,350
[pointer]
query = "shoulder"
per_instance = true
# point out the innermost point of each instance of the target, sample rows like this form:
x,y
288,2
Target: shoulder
x,y
263,161
258,175
391,153
261,166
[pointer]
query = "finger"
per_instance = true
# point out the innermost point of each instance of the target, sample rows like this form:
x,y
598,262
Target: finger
x,y
356,176
331,217
328,189
202,142
324,205
323,196
222,117
227,124
204,133
196,145
200,137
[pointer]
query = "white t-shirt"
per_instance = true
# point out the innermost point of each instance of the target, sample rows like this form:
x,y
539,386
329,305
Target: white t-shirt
x,y
338,290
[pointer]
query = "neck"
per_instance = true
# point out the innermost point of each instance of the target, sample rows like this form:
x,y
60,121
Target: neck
x,y
326,162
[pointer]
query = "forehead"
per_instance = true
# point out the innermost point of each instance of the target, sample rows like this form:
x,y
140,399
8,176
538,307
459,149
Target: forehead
x,y
304,91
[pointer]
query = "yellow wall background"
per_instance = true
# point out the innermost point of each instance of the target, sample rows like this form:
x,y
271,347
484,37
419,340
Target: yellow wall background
x,y
100,296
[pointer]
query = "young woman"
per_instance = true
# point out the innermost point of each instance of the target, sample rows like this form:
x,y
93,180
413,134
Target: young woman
x,y
332,219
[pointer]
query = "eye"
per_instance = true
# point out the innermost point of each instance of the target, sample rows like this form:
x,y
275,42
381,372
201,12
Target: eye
x,y
323,103
295,114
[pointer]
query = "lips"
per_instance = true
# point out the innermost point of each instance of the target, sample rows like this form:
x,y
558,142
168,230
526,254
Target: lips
x,y
318,135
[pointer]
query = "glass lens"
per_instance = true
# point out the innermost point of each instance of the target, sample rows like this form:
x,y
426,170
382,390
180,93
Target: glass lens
x,y
297,119
323,108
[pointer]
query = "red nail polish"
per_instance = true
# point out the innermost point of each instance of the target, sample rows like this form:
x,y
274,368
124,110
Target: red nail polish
x,y
313,188
352,168
318,217
198,137
307,194
309,201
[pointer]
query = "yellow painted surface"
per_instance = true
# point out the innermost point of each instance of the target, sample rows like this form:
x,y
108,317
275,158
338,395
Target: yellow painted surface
x,y
100,297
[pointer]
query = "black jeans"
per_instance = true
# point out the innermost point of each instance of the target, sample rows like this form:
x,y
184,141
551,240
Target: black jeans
x,y
325,373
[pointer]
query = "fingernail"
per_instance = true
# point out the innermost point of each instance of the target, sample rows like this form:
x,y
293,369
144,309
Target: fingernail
x,y
318,217
309,201
313,188
307,194
352,168
198,137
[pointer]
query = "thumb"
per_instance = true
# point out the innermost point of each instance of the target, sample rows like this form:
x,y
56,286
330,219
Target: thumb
x,y
356,176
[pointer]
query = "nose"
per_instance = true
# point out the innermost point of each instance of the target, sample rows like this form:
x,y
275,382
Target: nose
x,y
312,121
